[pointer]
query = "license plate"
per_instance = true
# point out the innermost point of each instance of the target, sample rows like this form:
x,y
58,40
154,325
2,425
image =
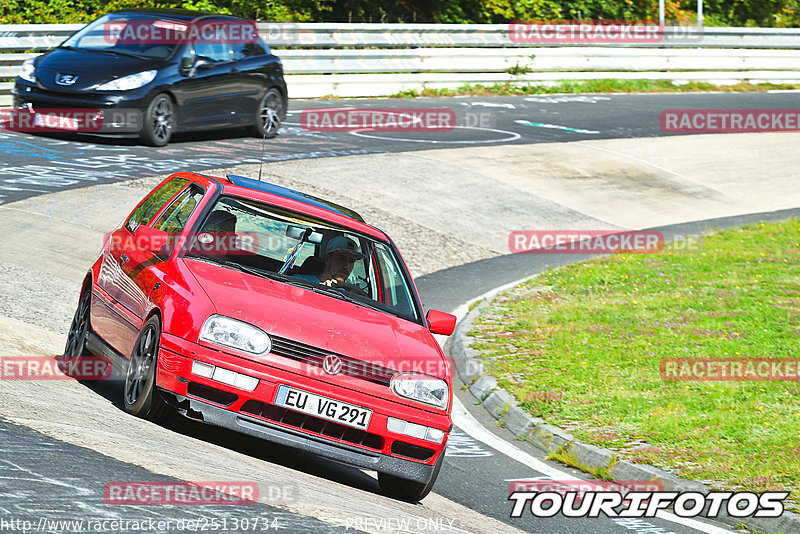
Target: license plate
x,y
56,122
323,407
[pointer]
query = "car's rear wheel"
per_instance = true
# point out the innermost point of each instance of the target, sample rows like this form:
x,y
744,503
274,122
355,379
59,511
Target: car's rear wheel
x,y
79,330
409,490
159,121
270,113
141,397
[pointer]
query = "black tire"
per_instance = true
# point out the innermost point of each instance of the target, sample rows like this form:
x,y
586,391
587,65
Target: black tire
x,y
269,115
140,396
409,490
159,121
79,330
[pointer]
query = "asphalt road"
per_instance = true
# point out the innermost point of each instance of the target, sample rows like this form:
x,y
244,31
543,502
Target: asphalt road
x,y
32,164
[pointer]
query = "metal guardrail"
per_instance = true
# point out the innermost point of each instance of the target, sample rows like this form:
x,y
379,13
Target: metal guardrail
x,y
379,59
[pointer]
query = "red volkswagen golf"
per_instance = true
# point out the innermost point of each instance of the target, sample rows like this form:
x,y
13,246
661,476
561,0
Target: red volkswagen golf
x,y
276,314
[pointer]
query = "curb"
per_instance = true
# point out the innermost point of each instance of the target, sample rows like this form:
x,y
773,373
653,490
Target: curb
x,y
550,439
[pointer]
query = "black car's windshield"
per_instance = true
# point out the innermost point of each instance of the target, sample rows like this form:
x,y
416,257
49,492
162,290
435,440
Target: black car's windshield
x,y
282,245
132,34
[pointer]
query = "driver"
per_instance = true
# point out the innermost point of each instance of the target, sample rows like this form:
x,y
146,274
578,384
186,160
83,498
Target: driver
x,y
341,255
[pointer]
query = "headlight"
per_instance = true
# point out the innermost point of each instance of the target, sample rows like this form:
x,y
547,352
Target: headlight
x,y
126,83
28,70
235,334
421,388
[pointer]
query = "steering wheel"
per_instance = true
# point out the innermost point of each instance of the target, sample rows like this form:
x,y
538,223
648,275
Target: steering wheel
x,y
351,288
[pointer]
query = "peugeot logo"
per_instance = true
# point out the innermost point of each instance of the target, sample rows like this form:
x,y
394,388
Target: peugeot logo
x,y
332,365
66,79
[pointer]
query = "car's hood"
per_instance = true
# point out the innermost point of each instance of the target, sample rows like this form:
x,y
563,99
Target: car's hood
x,y
88,68
319,320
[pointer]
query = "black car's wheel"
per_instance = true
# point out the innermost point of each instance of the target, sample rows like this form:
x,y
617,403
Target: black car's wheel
x,y
159,121
409,490
79,330
271,111
141,397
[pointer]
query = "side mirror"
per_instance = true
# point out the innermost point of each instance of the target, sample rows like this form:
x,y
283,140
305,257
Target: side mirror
x,y
441,322
150,239
191,67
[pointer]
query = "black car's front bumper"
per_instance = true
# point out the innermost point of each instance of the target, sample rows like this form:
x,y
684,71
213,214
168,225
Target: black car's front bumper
x,y
208,413
122,112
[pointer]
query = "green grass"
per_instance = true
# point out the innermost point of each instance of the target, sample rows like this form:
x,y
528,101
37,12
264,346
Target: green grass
x,y
581,347
592,86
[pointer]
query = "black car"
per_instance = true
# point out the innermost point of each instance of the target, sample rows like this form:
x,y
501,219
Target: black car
x,y
132,60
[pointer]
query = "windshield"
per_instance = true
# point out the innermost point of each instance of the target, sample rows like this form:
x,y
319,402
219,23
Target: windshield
x,y
276,243
134,34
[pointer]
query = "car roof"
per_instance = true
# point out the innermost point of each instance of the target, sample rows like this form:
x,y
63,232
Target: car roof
x,y
184,14
299,201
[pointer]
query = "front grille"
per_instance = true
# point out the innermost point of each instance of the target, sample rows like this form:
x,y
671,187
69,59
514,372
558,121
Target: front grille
x,y
314,356
313,424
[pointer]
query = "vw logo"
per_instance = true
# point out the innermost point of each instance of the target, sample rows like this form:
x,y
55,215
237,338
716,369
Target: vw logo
x,y
332,365
66,79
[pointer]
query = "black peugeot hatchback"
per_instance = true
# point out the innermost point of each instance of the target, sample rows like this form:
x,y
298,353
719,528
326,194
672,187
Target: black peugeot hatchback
x,y
169,70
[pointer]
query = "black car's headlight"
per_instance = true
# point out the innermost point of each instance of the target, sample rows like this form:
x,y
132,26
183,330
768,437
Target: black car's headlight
x,y
132,81
421,388
221,330
28,71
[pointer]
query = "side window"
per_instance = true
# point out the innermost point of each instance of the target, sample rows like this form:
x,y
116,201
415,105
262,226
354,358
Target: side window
x,y
395,292
177,214
216,52
145,212
247,50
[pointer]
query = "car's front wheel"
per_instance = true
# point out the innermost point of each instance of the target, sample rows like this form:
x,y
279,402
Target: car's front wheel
x,y
159,121
76,339
270,113
141,397
409,490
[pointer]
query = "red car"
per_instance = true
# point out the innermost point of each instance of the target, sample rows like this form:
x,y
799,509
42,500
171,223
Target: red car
x,y
276,314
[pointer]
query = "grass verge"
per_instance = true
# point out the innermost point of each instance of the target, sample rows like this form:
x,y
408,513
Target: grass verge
x,y
593,86
581,347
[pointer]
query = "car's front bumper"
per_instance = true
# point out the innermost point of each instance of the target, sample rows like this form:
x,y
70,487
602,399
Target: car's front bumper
x,y
122,111
254,412
208,413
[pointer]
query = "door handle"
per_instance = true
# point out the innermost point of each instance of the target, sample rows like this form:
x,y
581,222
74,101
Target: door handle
x,y
124,258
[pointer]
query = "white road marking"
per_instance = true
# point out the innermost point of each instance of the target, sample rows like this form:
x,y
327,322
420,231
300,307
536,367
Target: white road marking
x,y
512,136
555,127
564,99
491,105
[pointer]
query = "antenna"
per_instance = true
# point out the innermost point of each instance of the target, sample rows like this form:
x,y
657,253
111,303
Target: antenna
x,y
261,160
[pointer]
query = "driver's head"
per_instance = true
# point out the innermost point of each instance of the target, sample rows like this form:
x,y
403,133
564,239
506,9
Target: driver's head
x,y
341,255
